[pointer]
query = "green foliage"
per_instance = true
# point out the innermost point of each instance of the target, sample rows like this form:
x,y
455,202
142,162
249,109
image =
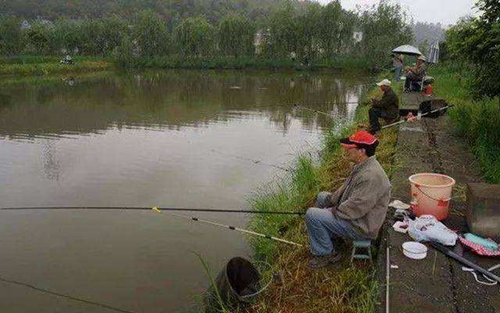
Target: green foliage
x,y
292,34
477,42
43,66
10,35
38,38
66,36
124,53
150,32
280,38
478,120
194,37
385,27
336,28
236,35
102,36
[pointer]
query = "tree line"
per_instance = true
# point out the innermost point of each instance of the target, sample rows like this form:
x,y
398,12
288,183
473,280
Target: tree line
x,y
307,32
474,43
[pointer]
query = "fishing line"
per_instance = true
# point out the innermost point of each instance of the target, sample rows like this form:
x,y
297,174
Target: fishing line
x,y
251,160
241,230
105,306
313,110
90,208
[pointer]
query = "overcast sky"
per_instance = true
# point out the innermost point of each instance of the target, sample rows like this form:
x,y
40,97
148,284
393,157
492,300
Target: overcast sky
x,y
432,11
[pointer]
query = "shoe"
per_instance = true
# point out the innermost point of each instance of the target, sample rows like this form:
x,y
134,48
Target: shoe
x,y
323,260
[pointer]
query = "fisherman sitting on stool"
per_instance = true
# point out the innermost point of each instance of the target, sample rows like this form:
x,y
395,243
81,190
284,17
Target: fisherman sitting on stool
x,y
387,107
415,75
356,210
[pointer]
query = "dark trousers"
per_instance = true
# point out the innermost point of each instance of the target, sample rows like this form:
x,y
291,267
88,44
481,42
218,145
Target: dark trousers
x,y
375,114
412,83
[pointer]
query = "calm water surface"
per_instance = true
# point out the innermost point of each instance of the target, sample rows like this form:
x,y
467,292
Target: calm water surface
x,y
177,138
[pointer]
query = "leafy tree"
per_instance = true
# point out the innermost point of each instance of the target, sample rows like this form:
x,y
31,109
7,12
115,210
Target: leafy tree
x,y
331,26
384,27
477,41
124,53
102,36
309,24
114,30
151,34
92,40
236,35
194,37
10,36
37,38
283,33
66,37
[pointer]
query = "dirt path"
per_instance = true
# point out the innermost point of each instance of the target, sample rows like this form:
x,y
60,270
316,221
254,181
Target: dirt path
x,y
435,284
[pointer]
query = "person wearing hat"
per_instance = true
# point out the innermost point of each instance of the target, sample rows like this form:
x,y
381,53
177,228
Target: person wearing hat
x,y
415,75
387,107
357,210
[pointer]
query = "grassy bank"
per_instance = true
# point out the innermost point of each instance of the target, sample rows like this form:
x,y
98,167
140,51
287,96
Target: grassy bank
x,y
341,63
477,120
49,65
343,288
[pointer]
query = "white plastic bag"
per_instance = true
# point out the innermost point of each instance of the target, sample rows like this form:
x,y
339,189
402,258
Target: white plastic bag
x,y
428,228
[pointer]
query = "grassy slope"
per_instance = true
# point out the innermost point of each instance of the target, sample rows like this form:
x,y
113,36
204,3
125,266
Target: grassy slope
x,y
344,288
476,120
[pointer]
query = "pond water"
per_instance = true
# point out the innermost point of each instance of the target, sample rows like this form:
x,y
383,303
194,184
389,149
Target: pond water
x,y
192,139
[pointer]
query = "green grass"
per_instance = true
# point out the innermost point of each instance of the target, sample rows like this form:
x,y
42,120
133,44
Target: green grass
x,y
346,288
244,63
477,120
26,65
49,65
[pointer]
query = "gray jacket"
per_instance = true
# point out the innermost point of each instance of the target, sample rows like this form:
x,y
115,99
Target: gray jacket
x,y
364,197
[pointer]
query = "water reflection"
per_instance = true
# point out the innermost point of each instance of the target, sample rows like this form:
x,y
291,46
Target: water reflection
x,y
171,100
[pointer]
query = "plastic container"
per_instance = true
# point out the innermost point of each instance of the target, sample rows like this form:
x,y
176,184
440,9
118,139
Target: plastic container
x,y
428,90
431,194
414,250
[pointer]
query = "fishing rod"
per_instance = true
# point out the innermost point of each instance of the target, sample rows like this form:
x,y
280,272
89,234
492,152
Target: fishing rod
x,y
241,230
62,295
309,103
91,208
333,102
441,248
406,119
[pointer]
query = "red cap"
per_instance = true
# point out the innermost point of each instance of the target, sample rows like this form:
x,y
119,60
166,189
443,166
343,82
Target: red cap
x,y
359,138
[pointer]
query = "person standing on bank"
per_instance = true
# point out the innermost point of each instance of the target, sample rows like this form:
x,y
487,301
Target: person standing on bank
x,y
397,62
387,107
356,210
